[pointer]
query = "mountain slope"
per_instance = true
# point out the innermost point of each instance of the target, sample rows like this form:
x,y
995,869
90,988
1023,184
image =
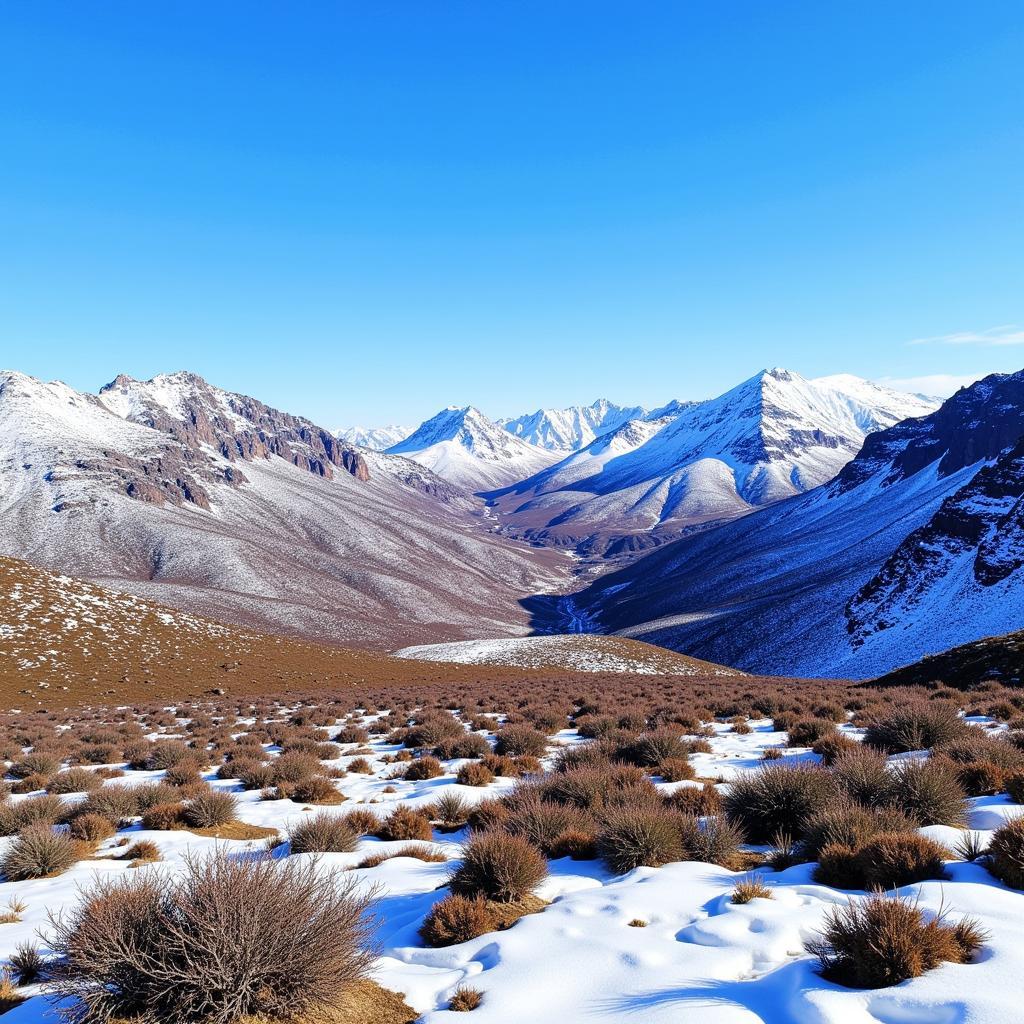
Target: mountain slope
x,y
377,438
471,451
913,548
214,502
769,438
993,659
569,430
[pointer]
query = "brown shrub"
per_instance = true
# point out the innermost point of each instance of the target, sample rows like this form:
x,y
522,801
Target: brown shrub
x,y
639,837
456,919
74,780
516,740
880,941
211,809
917,725
91,828
323,833
473,773
675,769
38,852
224,939
776,798
499,867
894,859
465,999
162,817
404,823
750,888
929,791
423,768
696,800
1006,853
317,790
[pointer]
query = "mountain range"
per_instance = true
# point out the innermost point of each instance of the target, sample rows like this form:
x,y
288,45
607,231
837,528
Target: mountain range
x,y
915,546
794,526
211,501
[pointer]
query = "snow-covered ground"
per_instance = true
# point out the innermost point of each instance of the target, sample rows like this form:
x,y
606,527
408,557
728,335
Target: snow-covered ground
x,y
699,957
578,652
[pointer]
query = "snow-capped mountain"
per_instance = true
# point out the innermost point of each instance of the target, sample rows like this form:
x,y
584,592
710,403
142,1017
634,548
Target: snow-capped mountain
x,y
917,545
378,439
569,430
466,448
216,503
773,436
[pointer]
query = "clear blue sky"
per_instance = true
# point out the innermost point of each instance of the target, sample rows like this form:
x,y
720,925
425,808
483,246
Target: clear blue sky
x,y
365,211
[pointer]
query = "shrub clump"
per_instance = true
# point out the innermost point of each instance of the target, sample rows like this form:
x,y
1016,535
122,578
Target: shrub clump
x,y
211,809
776,798
880,941
639,837
323,833
499,867
457,919
403,823
38,852
472,773
223,939
1005,858
929,791
918,725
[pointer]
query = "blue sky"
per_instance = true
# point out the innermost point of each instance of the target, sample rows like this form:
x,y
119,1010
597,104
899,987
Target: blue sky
x,y
363,212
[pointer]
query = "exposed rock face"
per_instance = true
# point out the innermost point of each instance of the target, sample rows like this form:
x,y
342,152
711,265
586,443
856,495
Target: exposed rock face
x,y
236,426
982,522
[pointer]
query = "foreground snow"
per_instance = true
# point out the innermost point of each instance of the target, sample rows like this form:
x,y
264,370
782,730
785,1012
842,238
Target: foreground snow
x,y
699,957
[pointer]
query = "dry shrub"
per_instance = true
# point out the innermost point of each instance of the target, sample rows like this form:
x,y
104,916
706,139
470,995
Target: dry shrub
x,y
676,769
323,833
317,790
451,811
362,821
881,941
359,766
653,748
423,768
474,774
843,821
38,763
90,828
807,731
183,774
639,837
1014,785
403,823
417,851
1005,857
223,939
36,810
295,766
831,748
74,780
516,740
777,798
542,824
163,817
211,809
894,859
465,999
861,773
27,963
579,844
500,867
116,803
487,814
142,850
750,888
698,800
457,919
38,852
713,840
929,791
469,744
918,725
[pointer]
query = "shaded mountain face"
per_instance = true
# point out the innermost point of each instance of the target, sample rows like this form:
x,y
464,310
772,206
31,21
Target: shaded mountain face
x,y
690,465
471,451
216,503
914,547
569,430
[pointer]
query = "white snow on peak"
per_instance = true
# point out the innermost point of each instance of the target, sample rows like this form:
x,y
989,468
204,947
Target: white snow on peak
x,y
466,448
376,438
772,436
572,428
